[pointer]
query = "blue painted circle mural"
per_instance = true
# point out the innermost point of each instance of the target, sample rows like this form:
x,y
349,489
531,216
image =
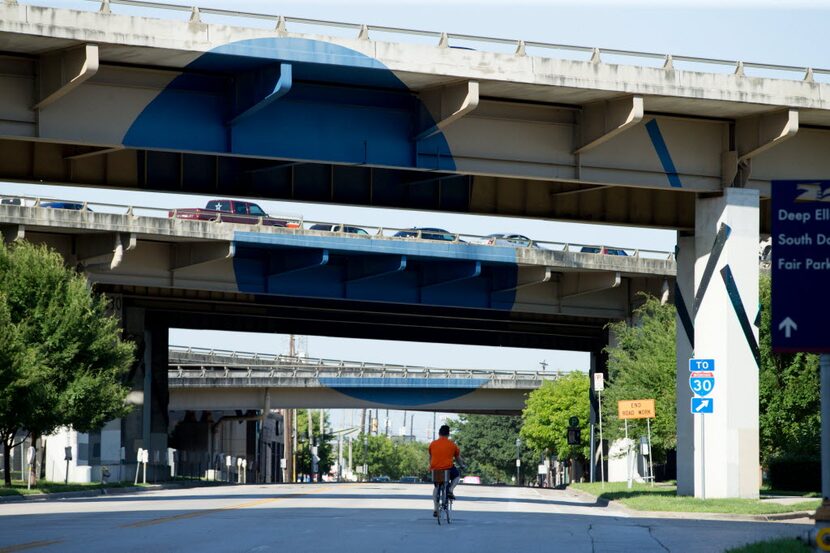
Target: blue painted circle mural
x,y
342,107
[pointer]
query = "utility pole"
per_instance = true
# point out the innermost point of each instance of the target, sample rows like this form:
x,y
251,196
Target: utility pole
x,y
294,445
363,421
288,446
290,436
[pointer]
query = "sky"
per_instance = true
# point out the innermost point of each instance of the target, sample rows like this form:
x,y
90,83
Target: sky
x,y
770,31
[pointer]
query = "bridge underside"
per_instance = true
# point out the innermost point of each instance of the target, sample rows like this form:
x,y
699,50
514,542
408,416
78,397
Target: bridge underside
x,y
375,321
487,401
303,181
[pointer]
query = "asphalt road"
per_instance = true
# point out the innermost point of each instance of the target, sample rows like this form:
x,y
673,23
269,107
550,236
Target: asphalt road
x,y
365,518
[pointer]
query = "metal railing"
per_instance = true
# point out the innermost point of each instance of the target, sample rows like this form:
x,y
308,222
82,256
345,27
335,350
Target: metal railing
x,y
217,363
443,39
299,224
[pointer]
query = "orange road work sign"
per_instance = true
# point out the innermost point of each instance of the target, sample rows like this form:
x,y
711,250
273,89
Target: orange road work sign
x,y
635,409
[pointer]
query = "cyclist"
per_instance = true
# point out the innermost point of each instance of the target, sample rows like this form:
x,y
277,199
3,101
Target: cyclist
x,y
442,454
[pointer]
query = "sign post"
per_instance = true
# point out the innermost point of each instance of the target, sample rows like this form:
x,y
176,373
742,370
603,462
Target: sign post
x,y
800,262
599,387
636,409
702,382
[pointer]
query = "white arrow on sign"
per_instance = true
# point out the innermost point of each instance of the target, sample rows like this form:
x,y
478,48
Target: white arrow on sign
x,y
788,325
702,405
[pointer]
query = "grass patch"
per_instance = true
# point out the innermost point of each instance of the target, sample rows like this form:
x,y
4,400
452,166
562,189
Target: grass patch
x,y
19,487
643,497
44,487
767,491
774,546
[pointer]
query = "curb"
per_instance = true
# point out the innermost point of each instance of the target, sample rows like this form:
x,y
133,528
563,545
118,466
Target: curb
x,y
99,492
775,517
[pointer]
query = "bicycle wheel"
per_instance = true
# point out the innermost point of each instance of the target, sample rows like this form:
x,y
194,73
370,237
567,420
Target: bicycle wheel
x,y
448,511
440,503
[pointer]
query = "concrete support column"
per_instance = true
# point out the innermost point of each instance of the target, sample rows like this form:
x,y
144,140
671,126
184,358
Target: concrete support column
x,y
146,426
725,306
684,324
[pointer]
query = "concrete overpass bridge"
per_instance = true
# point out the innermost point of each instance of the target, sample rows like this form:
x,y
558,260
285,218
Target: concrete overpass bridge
x,y
508,128
229,276
201,379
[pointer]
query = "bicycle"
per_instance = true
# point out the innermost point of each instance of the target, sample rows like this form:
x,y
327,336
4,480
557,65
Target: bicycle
x,y
442,479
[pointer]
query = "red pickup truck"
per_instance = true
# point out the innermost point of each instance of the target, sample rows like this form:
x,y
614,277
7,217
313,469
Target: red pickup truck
x,y
232,211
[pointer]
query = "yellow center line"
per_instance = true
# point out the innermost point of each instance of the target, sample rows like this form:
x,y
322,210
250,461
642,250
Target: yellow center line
x,y
30,545
204,512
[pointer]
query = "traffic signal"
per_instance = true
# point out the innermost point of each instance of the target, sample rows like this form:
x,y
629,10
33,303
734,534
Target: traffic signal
x,y
574,436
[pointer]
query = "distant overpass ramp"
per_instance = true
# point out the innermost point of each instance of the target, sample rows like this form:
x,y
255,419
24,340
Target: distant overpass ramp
x,y
209,379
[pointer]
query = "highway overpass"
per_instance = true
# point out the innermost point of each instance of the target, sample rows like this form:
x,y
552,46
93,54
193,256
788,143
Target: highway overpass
x,y
507,128
224,380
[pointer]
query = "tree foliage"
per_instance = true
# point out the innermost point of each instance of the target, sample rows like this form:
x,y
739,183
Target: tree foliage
x,y
547,413
385,456
62,359
325,448
642,364
790,417
488,447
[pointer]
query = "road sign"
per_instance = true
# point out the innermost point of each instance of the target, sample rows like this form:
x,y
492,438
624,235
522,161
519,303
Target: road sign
x,y
636,409
701,383
599,382
702,405
800,265
697,365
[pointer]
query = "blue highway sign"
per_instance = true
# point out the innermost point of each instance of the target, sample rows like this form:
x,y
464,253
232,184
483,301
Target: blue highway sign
x,y
696,365
702,405
800,265
701,383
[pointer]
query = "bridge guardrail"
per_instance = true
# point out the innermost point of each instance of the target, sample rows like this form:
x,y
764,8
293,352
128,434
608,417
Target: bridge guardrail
x,y
203,371
227,363
303,225
442,39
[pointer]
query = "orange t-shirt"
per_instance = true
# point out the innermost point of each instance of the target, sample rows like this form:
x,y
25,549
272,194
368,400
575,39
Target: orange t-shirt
x,y
442,452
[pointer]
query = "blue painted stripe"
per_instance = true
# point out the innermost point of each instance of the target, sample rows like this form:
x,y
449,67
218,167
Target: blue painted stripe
x,y
413,248
683,313
417,383
404,397
738,306
663,153
714,255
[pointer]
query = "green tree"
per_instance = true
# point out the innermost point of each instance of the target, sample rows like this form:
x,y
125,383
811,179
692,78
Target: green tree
x,y
790,417
642,365
488,446
413,460
62,359
385,456
547,413
380,454
325,448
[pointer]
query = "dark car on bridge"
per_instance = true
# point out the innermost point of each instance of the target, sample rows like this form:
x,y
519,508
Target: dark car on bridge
x,y
232,211
428,233
76,206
